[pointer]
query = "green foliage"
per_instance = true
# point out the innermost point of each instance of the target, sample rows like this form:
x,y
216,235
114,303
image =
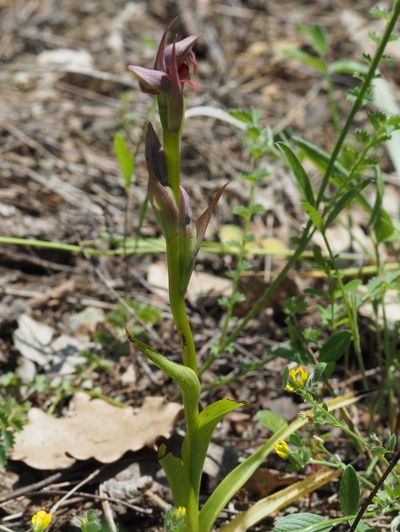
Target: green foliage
x,y
302,522
271,420
12,420
335,346
91,522
125,160
349,491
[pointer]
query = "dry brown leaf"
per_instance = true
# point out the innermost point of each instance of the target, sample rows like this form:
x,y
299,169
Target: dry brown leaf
x,y
95,429
265,481
202,285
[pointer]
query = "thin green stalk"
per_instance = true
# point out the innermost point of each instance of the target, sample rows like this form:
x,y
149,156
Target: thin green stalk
x,y
307,232
332,103
172,151
178,306
351,315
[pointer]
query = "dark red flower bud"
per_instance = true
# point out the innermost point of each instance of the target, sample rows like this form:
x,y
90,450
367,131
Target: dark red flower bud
x,y
160,195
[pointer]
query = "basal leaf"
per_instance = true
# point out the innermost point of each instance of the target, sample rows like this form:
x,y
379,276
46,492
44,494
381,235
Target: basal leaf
x,y
239,476
176,474
207,421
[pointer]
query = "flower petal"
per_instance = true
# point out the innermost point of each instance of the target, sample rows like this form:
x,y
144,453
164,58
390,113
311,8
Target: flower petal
x,y
151,81
183,51
160,61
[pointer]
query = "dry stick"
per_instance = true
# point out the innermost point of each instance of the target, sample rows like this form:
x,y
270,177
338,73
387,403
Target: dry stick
x,y
28,489
73,490
378,486
86,495
108,515
6,529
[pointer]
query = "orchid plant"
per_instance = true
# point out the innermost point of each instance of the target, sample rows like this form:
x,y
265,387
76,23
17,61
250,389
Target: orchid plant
x,y
173,67
183,235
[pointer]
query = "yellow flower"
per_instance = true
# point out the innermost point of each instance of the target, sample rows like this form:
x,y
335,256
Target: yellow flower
x,y
282,449
179,512
297,379
41,521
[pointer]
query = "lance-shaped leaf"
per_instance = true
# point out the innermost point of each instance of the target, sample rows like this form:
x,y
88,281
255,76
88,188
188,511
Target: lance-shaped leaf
x,y
298,171
184,377
201,225
238,476
206,422
164,207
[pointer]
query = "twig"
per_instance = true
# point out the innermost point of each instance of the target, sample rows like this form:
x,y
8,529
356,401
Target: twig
x,y
28,489
107,511
73,490
94,496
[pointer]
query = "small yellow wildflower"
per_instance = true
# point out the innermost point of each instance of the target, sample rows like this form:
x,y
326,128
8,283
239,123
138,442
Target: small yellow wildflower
x,y
41,521
282,449
297,379
179,512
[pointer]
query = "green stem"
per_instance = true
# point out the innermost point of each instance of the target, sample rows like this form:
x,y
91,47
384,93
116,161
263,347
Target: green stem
x,y
192,509
178,306
172,149
350,310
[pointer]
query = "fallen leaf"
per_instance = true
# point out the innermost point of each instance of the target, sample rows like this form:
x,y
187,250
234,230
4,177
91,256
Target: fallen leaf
x,y
265,481
202,285
32,339
95,429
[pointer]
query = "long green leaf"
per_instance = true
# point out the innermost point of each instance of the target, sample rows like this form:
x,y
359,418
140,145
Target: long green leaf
x,y
265,507
320,158
298,171
240,475
345,200
207,421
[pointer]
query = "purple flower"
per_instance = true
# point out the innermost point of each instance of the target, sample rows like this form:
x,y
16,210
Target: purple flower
x,y
171,66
